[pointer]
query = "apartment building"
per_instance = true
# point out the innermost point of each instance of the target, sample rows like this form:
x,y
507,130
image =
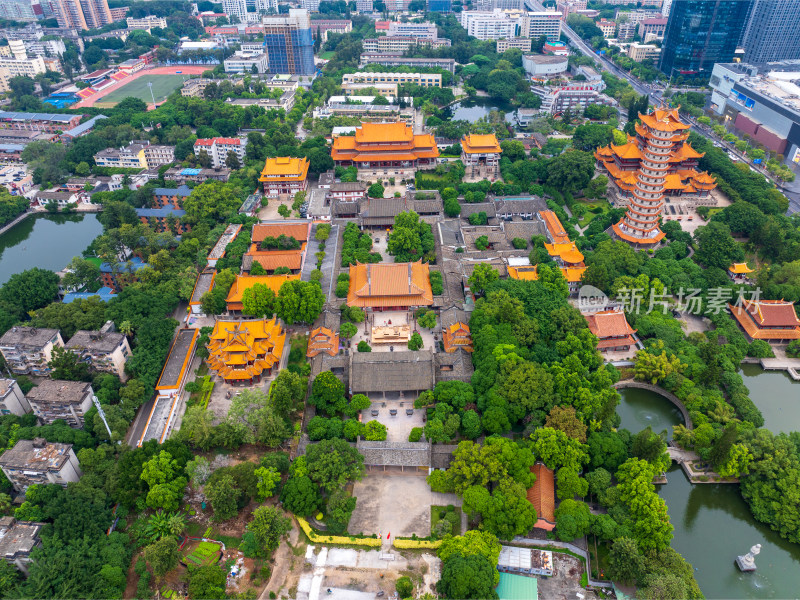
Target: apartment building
x,y
194,88
608,28
547,23
81,14
493,25
146,23
12,400
400,44
288,43
38,461
196,175
654,28
523,44
420,79
425,31
218,148
105,350
247,62
640,52
626,30
49,122
27,350
398,60
26,67
69,401
322,27
17,541
137,155
235,8
17,10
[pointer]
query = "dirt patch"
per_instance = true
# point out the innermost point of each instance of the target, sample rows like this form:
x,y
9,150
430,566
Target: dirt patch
x,y
565,582
131,581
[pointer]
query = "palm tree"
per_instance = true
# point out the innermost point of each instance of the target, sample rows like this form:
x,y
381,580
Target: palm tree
x,y
161,524
126,327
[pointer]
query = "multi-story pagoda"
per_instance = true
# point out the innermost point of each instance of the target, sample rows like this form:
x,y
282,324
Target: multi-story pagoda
x,y
385,149
657,163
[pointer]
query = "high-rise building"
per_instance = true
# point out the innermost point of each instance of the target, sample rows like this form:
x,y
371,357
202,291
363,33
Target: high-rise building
x,y
81,14
235,8
700,33
773,31
440,6
288,43
17,10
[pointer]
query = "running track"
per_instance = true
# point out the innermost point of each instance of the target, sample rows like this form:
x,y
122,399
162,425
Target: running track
x,y
184,70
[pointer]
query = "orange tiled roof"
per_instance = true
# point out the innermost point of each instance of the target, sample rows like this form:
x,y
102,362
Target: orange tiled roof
x,y
663,119
752,325
573,274
772,313
627,151
608,324
245,349
525,273
740,268
567,251
457,337
480,144
372,133
637,240
244,282
284,168
685,152
298,231
673,182
389,284
272,259
321,340
554,227
542,496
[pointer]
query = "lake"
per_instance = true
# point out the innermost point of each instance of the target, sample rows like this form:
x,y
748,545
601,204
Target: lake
x,y
712,522
776,395
46,241
475,109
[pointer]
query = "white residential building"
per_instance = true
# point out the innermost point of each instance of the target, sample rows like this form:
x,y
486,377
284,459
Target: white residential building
x,y
244,62
146,23
418,30
38,461
27,350
67,401
235,8
105,350
12,400
489,25
218,148
420,79
546,23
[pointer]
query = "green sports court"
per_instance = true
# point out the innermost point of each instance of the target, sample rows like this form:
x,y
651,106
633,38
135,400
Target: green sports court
x,y
163,86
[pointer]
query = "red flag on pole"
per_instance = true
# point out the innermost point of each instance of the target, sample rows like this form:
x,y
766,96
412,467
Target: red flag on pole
x,y
388,535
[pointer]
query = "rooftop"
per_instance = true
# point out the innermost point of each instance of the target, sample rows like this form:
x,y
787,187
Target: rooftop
x,y
54,390
391,371
36,455
27,336
95,340
298,231
231,231
203,284
177,359
390,284
244,282
104,293
26,116
161,213
183,191
609,324
18,538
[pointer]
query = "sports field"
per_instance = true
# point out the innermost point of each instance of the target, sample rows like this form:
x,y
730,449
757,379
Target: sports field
x,y
163,86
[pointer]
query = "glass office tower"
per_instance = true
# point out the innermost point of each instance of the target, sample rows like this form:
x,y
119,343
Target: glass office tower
x,y
701,33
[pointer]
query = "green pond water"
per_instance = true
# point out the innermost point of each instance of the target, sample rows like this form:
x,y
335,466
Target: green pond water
x,y
47,241
776,395
712,522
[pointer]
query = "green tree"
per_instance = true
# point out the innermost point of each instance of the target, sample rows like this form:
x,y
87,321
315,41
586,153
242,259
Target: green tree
x,y
284,211
300,496
299,302
162,556
571,170
268,480
68,366
573,520
564,419
467,577
269,526
556,449
591,136
375,431
415,342
375,191
482,275
427,320
211,201
716,247
258,300
222,501
625,561
404,587
327,393
207,582
334,463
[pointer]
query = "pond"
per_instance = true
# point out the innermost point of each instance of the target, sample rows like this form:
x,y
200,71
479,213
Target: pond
x,y
46,241
640,408
776,395
474,109
713,525
712,522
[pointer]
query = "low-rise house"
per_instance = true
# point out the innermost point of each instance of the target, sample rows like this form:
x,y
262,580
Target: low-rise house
x,y
481,155
17,541
54,399
194,88
118,276
387,375
164,197
38,461
167,219
245,282
61,199
542,496
12,400
322,340
27,350
738,272
456,334
346,192
612,329
271,258
196,175
203,284
106,350
136,155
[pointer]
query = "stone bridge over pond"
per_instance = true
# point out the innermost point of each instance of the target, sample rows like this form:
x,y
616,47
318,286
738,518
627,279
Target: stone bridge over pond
x,y
632,383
